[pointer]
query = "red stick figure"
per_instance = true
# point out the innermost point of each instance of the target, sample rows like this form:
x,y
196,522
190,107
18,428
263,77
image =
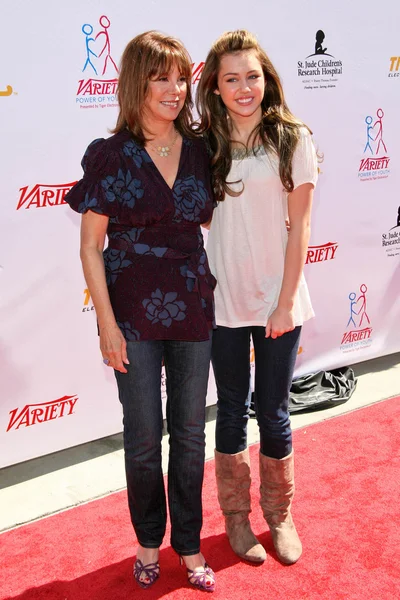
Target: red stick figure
x,y
105,22
379,135
363,308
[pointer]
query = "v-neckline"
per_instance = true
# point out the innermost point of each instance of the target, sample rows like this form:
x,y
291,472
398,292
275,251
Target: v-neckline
x,y
171,189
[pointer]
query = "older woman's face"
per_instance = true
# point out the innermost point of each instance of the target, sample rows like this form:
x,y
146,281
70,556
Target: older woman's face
x,y
166,96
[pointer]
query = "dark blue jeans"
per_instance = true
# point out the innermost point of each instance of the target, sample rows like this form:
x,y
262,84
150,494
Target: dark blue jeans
x,y
274,366
187,369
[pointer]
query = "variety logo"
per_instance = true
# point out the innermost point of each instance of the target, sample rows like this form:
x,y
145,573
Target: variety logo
x,y
394,70
197,70
358,330
391,239
321,253
319,70
41,195
375,163
32,414
87,303
99,90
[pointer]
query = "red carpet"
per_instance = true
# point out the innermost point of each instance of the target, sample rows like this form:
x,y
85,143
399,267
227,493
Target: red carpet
x,y
347,511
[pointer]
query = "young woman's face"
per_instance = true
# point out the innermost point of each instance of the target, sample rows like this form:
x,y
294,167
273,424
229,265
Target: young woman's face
x,y
241,83
165,97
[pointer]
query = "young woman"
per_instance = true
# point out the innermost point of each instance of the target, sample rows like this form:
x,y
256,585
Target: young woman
x,y
148,189
264,168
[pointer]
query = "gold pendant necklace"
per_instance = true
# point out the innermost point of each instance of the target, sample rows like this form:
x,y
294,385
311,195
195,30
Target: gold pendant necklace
x,y
165,150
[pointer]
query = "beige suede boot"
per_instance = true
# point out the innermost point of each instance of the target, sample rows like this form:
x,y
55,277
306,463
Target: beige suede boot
x,y
276,491
233,482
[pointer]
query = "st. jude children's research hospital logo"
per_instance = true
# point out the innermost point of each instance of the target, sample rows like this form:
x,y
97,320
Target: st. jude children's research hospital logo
x,y
319,70
391,239
358,329
375,162
98,88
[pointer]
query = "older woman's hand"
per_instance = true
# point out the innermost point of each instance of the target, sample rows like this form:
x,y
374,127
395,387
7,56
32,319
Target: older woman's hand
x,y
113,347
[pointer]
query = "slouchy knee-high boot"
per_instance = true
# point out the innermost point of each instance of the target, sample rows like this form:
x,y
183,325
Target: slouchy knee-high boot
x,y
276,495
233,482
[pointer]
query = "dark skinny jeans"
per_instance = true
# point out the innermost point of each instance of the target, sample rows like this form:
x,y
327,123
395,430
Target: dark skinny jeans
x,y
274,365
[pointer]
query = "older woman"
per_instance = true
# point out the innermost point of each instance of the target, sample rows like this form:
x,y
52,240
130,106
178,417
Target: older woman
x,y
147,188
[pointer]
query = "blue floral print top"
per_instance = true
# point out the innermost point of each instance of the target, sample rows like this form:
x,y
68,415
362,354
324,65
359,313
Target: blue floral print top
x,y
157,271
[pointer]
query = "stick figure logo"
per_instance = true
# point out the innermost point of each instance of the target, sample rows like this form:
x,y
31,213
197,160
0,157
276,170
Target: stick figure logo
x,y
358,308
358,329
375,162
103,60
374,133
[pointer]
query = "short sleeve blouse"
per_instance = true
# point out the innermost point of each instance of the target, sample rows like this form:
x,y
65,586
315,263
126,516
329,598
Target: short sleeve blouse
x,y
157,272
247,240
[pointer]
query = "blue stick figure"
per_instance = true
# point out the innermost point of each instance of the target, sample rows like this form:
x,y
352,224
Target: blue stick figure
x,y
368,121
352,298
88,30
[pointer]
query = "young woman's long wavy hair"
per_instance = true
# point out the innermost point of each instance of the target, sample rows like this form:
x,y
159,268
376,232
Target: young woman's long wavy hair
x,y
278,129
149,55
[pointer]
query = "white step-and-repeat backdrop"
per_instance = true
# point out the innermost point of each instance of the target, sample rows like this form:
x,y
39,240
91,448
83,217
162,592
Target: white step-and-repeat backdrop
x,y
340,65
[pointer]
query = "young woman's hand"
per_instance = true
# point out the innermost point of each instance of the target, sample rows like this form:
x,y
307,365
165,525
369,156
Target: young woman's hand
x,y
113,347
280,321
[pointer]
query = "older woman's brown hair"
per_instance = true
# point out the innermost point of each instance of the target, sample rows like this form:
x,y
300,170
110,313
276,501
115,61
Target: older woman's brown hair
x,y
147,56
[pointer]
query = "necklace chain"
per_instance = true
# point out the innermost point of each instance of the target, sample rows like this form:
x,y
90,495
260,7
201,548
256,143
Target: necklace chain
x,y
164,150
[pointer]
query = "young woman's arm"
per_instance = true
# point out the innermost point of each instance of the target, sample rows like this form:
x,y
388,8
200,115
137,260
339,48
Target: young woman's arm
x,y
299,209
112,342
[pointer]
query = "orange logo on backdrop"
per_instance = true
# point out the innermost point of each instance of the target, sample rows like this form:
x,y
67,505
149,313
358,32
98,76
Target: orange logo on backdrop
x,y
32,414
87,304
7,92
394,66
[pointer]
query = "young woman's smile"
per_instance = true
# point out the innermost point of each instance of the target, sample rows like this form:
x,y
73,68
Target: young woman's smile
x,y
241,83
